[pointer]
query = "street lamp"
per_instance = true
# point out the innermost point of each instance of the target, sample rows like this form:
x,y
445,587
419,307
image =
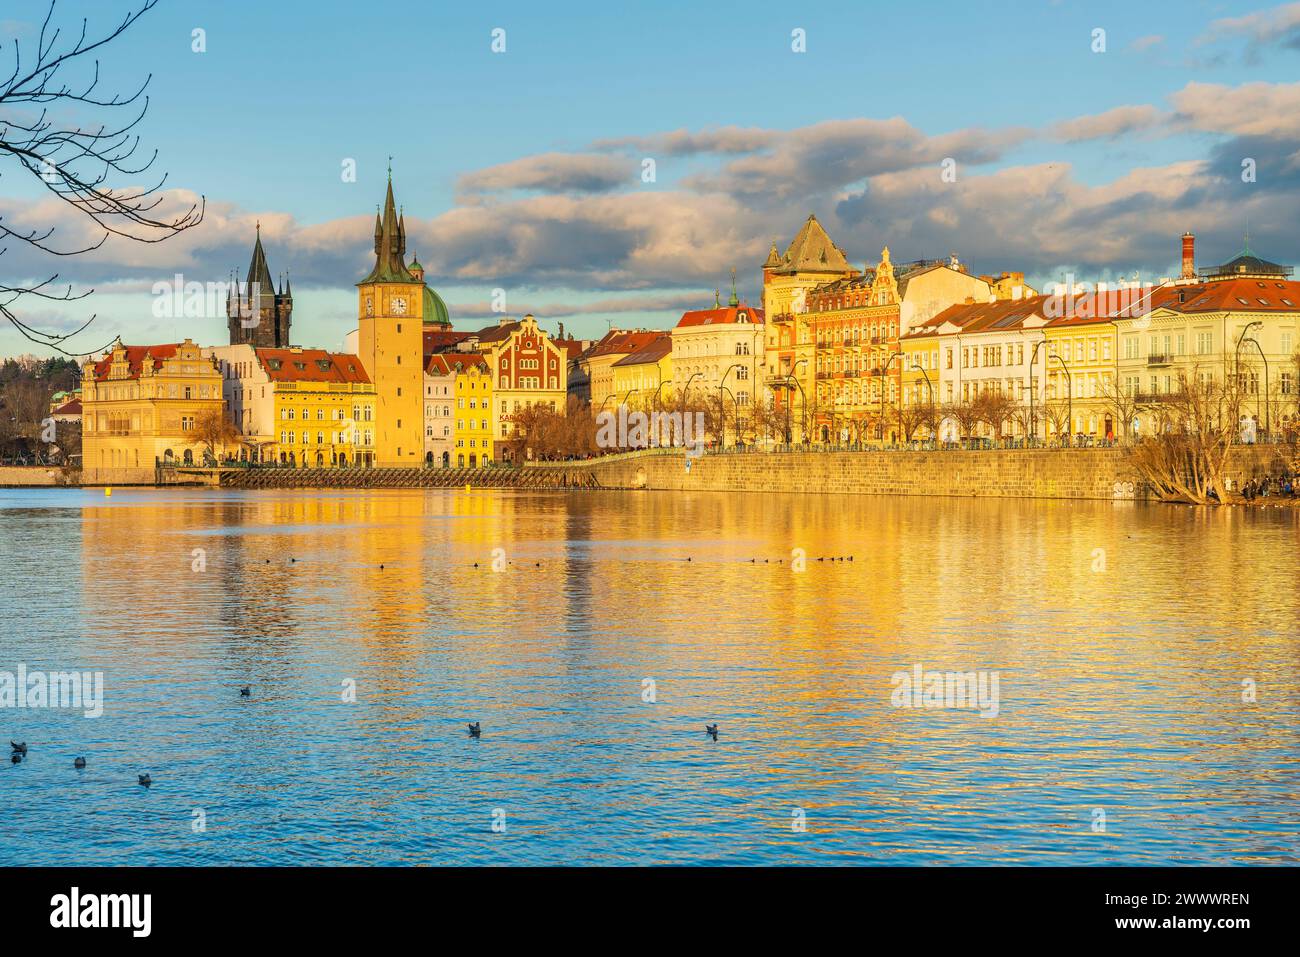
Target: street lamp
x,y
1240,339
722,409
884,371
686,389
1033,357
1069,393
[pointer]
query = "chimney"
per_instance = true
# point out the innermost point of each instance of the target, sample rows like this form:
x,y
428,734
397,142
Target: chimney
x,y
1189,256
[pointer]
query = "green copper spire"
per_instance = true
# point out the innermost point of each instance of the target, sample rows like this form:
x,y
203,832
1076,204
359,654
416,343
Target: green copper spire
x,y
390,246
733,301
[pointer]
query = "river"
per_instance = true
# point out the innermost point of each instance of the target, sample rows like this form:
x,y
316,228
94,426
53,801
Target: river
x,y
1146,660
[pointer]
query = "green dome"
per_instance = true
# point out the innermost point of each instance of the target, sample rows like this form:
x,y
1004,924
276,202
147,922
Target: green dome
x,y
435,310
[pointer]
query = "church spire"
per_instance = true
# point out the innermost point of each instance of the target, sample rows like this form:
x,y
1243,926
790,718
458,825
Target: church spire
x,y
390,244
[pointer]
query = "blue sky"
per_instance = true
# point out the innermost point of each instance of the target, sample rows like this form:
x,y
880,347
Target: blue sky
x,y
520,170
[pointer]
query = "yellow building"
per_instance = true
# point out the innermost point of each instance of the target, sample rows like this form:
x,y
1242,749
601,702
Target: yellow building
x,y
472,436
138,405
527,368
299,406
644,379
1080,376
390,309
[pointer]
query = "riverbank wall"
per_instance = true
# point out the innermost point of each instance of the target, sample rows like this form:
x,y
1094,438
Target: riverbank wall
x,y
1036,473
35,476
1095,474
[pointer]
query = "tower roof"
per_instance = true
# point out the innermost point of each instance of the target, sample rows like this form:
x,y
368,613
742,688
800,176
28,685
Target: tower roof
x,y
813,251
390,246
258,272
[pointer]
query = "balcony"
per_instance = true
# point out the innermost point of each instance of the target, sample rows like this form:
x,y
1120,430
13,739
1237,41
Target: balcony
x,y
1159,359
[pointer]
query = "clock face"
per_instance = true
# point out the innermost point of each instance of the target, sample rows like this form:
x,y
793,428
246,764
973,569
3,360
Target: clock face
x,y
399,306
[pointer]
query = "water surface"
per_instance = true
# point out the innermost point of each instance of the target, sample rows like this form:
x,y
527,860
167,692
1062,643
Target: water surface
x,y
1120,675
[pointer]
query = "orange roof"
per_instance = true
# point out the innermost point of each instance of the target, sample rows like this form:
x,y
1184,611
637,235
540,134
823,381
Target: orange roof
x,y
660,346
446,363
716,317
572,348
310,365
621,343
435,339
1235,295
135,359
982,316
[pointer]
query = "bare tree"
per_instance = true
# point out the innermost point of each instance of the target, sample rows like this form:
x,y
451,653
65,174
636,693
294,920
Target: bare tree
x,y
994,409
65,134
214,430
1184,459
965,414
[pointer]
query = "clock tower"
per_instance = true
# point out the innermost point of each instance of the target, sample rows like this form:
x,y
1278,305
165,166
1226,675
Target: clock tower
x,y
390,341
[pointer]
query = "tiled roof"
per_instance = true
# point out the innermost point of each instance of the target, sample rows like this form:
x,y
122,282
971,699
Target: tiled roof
x,y
436,339
1235,295
616,342
983,316
310,365
717,317
445,363
498,332
653,351
69,408
135,358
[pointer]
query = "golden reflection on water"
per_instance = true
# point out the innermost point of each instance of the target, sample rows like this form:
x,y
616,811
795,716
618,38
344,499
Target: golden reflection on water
x,y
1122,635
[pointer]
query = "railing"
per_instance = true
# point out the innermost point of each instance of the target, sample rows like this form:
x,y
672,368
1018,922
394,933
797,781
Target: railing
x,y
1159,359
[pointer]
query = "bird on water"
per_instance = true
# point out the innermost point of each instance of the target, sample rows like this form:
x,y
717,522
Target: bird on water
x,y
473,730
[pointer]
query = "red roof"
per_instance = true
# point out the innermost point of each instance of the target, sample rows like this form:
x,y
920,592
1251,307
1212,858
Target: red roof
x,y
717,317
616,342
445,363
135,358
435,339
572,348
310,365
656,349
72,407
1234,295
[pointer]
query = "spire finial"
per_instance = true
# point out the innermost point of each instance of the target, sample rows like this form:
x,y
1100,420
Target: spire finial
x,y
733,301
390,168
717,299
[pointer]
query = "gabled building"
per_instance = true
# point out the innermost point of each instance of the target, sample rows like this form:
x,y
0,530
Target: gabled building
x,y
139,407
526,368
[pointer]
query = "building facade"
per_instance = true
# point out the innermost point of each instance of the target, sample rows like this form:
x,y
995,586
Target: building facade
x,y
139,407
473,437
526,367
299,407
